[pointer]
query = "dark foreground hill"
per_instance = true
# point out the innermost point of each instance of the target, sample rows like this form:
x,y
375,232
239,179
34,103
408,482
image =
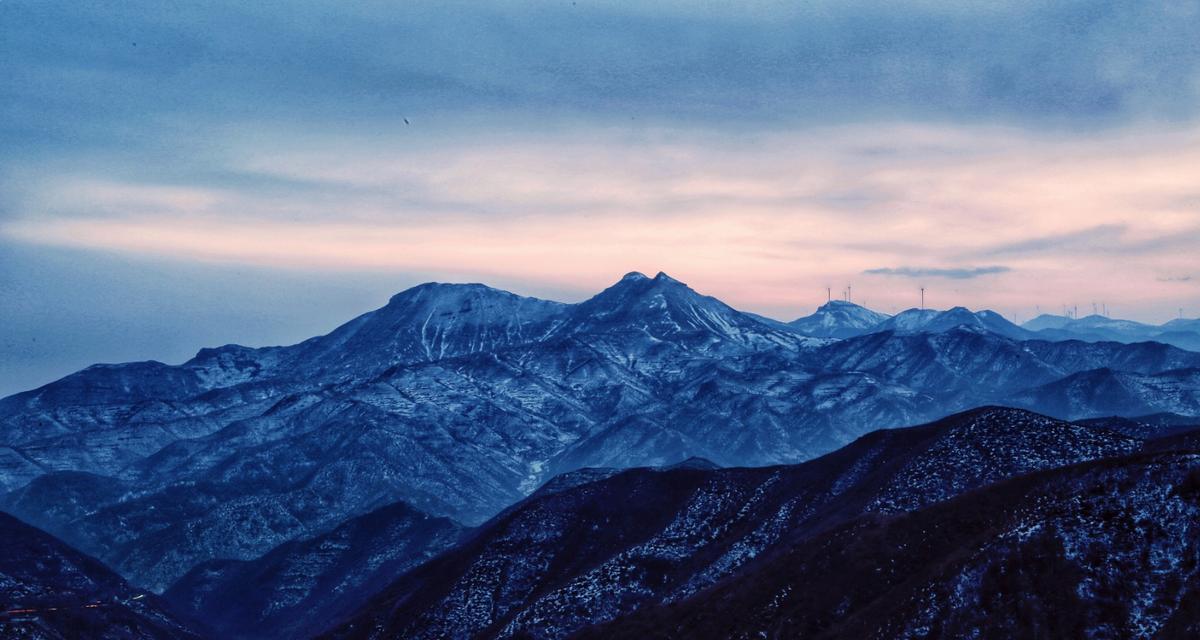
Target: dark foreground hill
x,y
298,588
970,510
1106,549
49,591
995,522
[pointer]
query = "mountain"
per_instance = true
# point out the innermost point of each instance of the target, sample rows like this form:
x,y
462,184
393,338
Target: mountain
x,y
1182,333
595,551
460,400
296,589
1183,324
51,591
1102,392
426,323
838,319
1147,427
966,367
107,416
1094,550
1046,321
932,321
666,310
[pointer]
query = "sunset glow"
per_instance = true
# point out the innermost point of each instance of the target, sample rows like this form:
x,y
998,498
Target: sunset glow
x,y
982,217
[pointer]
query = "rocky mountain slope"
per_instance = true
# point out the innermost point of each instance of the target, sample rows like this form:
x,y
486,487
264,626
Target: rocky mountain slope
x,y
461,399
1102,392
49,591
296,589
595,551
1106,549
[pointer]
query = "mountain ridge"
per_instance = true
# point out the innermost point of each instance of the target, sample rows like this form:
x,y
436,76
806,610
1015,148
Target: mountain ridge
x,y
838,319
599,550
156,468
1180,332
49,590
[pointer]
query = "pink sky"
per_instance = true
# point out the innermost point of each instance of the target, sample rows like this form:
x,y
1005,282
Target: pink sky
x,y
764,221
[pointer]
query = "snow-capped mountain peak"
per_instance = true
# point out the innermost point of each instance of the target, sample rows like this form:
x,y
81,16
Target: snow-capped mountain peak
x,y
664,308
933,321
433,321
838,319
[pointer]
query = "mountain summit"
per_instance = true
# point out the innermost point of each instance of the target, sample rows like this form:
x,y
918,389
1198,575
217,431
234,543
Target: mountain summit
x,y
663,308
933,321
838,319
430,322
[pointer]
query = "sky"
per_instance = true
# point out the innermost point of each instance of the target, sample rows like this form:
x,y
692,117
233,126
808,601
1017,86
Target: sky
x,y
178,177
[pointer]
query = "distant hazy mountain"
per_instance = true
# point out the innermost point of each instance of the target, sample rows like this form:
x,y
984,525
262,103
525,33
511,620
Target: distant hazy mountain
x,y
1183,324
1182,333
804,550
461,399
1046,321
51,591
838,319
929,320
841,319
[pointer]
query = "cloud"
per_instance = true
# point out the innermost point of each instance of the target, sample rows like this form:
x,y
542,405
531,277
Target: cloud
x,y
1099,237
79,75
1107,239
954,274
1175,278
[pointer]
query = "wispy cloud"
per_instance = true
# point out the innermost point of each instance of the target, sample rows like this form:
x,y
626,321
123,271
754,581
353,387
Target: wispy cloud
x,y
965,273
1108,239
1100,237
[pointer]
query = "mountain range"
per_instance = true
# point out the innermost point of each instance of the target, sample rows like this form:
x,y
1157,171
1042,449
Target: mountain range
x,y
1181,332
459,401
976,506
903,533
843,319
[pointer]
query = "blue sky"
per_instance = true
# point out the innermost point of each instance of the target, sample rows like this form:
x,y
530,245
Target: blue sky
x,y
175,177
